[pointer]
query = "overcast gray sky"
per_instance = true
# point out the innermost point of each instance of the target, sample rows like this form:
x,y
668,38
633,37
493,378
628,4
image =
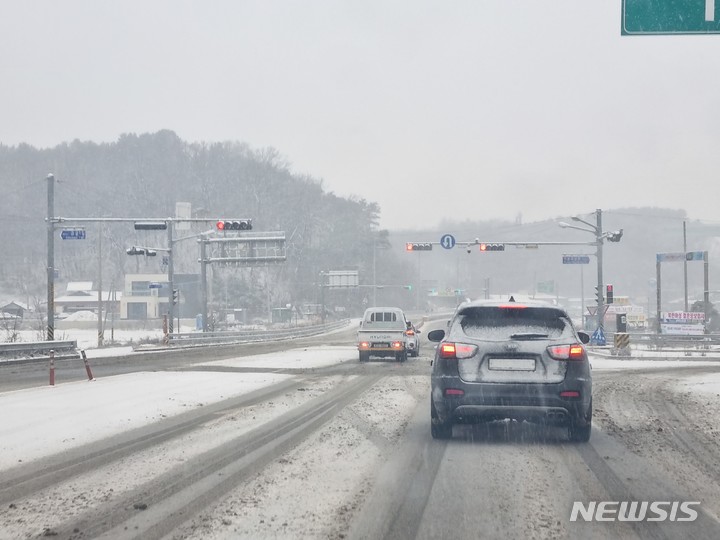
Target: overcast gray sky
x,y
436,110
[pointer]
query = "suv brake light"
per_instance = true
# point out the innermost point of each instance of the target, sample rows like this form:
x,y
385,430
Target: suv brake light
x,y
567,352
457,350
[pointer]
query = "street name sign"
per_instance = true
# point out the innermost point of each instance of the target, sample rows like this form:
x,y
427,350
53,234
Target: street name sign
x,y
661,17
73,234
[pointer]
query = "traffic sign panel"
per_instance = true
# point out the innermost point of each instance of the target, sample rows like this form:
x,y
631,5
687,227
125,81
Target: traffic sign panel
x,y
598,337
576,259
642,17
73,234
447,241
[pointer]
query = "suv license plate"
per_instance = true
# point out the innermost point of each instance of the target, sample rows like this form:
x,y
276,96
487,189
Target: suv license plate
x,y
512,364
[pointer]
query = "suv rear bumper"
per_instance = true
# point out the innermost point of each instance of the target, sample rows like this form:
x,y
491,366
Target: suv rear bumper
x,y
494,401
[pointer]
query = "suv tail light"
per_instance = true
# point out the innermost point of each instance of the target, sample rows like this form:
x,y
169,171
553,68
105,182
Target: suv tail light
x,y
567,352
457,350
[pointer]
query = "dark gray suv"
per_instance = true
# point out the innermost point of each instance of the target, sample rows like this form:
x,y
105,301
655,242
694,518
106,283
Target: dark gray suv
x,y
499,360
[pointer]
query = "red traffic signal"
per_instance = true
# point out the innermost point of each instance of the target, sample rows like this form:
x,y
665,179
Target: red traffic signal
x,y
235,225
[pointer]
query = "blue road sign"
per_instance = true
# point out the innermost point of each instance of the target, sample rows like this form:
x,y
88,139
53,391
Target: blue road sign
x,y
576,259
447,241
598,337
73,234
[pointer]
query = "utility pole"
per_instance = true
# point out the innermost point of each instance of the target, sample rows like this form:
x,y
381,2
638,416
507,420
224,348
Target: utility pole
x,y
203,282
100,288
582,296
171,286
599,243
685,264
51,258
374,304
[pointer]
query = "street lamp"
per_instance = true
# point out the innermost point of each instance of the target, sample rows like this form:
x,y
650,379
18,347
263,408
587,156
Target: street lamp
x,y
600,237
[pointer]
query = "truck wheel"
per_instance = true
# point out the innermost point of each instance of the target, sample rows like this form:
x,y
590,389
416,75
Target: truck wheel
x,y
401,357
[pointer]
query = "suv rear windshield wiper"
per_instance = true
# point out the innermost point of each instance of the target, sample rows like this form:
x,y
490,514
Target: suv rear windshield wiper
x,y
528,336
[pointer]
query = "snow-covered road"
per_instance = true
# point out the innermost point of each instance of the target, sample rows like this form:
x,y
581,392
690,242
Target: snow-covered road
x,y
308,443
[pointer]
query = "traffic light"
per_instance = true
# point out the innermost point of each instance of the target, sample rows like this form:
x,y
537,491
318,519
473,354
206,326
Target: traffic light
x,y
491,247
418,246
615,236
150,225
175,296
598,295
609,291
236,225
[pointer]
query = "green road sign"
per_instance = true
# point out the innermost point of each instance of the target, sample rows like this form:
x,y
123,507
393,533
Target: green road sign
x,y
648,17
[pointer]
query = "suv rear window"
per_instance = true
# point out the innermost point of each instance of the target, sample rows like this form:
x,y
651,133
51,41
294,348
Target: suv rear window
x,y
501,323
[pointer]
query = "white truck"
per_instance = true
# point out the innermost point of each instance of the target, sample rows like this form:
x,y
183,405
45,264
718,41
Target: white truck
x,y
382,333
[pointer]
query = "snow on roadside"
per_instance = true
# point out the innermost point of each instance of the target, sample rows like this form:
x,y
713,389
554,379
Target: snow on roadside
x,y
43,421
46,420
307,357
29,516
602,362
708,383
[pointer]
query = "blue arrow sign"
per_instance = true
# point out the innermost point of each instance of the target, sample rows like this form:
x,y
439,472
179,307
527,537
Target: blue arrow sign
x,y
73,234
447,241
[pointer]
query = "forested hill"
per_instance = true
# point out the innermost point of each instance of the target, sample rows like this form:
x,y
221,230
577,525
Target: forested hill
x,y
145,175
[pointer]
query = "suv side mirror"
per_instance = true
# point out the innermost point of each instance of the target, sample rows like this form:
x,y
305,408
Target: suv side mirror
x,y
436,335
584,338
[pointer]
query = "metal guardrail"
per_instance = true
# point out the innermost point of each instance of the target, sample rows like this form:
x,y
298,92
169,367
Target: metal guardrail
x,y
35,348
243,336
660,341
